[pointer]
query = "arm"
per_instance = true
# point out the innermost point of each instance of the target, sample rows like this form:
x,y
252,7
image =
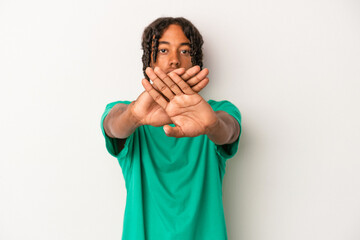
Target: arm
x,y
123,119
120,122
225,131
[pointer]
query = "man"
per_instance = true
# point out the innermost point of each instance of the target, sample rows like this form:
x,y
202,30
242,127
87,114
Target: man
x,y
171,144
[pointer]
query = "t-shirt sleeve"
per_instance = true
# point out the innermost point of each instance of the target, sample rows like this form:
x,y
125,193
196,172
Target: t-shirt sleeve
x,y
227,151
112,144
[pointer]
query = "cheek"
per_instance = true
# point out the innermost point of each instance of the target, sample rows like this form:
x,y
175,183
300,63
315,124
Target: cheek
x,y
160,59
158,62
187,62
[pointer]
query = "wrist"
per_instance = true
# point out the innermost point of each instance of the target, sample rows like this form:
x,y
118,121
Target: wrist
x,y
132,117
219,132
211,129
121,122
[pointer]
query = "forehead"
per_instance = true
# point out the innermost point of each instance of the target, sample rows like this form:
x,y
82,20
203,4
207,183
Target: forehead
x,y
174,33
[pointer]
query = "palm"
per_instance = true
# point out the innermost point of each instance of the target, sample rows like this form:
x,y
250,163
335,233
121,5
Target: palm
x,y
149,112
191,114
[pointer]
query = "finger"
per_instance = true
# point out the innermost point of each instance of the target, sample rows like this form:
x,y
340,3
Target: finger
x,y
200,86
158,98
181,83
191,72
156,88
159,84
173,131
168,81
179,71
198,77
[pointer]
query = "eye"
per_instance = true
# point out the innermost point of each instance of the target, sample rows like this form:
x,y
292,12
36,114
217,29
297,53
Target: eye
x,y
185,52
162,50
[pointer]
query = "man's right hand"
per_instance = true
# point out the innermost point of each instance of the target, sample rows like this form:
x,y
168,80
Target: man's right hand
x,y
147,112
123,119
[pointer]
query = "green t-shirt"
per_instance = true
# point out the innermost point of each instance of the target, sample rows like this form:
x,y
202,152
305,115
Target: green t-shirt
x,y
174,185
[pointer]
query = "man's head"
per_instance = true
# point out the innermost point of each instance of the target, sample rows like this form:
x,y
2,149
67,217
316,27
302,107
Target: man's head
x,y
171,43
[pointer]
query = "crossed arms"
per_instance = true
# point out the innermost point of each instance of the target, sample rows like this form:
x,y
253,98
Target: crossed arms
x,y
172,98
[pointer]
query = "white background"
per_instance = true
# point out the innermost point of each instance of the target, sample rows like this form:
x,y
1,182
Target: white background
x,y
291,67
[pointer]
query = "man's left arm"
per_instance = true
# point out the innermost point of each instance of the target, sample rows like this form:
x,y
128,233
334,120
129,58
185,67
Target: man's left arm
x,y
225,131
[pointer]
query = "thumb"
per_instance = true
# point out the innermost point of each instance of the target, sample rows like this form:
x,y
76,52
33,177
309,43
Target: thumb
x,y
173,131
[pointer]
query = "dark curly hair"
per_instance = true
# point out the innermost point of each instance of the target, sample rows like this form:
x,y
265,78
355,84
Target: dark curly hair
x,y
153,32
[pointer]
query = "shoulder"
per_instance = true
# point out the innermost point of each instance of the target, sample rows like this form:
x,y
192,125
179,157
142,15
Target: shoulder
x,y
221,105
227,107
112,104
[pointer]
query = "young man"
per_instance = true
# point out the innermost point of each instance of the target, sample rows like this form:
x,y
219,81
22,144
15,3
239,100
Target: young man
x,y
171,144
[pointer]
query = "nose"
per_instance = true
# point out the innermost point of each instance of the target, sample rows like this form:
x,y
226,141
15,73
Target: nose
x,y
174,60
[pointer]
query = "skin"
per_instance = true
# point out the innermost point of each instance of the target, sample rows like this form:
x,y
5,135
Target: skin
x,y
123,119
173,50
173,97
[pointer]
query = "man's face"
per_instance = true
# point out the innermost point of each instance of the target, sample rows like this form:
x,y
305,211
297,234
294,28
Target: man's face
x,y
173,51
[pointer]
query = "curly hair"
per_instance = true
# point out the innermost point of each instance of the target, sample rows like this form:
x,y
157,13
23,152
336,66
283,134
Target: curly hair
x,y
153,32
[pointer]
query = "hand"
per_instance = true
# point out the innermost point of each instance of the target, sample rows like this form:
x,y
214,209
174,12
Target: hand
x,y
147,112
190,113
194,77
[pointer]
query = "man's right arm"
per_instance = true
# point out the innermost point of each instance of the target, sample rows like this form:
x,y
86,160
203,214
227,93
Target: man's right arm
x,y
120,123
123,119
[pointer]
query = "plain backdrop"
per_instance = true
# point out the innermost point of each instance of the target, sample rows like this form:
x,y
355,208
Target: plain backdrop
x,y
291,67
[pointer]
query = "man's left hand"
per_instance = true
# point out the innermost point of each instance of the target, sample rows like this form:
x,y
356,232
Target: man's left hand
x,y
190,113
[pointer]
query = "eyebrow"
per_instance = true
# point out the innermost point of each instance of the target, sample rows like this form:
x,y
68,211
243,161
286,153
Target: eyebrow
x,y
181,44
